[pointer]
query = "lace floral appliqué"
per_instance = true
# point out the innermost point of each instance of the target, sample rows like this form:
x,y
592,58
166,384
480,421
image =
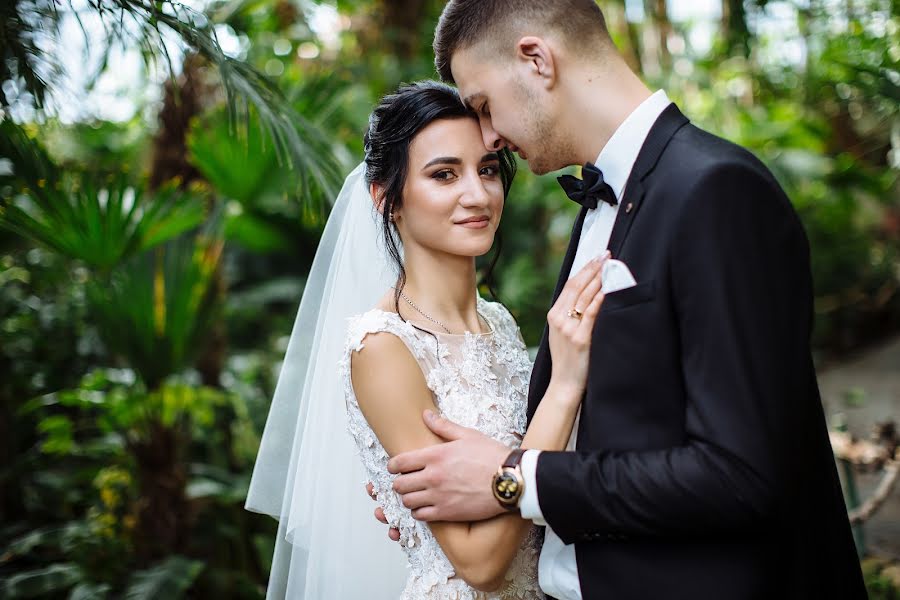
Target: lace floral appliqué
x,y
478,381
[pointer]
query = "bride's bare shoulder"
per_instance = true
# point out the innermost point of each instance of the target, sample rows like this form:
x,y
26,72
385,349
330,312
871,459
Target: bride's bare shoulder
x,y
387,303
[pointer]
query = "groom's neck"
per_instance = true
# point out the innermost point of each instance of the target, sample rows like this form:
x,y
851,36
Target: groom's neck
x,y
602,99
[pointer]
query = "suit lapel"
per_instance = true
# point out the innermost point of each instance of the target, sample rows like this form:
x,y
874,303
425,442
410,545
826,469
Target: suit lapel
x,y
570,253
668,122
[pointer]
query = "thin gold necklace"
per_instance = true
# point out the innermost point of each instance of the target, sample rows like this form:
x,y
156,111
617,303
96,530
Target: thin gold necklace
x,y
422,312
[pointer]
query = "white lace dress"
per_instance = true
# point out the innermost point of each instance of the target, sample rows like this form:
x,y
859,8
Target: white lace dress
x,y
479,381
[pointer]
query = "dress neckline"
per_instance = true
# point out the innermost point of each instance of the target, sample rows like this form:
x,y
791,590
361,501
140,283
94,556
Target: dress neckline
x,y
480,302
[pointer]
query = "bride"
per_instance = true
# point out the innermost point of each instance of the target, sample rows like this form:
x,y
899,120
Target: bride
x,y
390,326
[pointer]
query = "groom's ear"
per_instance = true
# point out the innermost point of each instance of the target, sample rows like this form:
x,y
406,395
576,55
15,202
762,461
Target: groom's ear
x,y
537,58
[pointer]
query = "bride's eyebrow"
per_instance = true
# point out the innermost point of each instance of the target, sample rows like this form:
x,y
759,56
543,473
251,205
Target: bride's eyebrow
x,y
490,157
443,160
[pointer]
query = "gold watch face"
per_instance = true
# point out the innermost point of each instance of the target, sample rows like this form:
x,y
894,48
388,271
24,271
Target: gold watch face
x,y
506,486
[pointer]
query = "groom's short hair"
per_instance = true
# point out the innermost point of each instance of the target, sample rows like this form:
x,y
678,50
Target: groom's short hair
x,y
467,23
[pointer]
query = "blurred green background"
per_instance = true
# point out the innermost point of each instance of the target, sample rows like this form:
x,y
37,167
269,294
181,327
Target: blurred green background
x,y
165,174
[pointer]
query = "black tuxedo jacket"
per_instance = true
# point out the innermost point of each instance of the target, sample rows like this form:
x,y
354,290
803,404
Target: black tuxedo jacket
x,y
703,469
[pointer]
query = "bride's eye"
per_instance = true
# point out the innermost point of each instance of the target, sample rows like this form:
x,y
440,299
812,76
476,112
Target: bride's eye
x,y
444,175
490,171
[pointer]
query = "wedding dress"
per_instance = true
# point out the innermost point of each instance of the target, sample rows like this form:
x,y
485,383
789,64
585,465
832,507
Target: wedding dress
x,y
479,381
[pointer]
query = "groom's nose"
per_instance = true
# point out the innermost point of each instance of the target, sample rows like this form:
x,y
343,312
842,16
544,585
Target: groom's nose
x,y
492,140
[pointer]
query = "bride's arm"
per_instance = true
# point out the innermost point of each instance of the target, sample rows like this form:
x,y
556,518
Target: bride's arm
x,y
392,395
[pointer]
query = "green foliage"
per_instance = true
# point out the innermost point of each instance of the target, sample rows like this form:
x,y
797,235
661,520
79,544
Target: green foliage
x,y
170,579
41,582
142,325
98,224
155,308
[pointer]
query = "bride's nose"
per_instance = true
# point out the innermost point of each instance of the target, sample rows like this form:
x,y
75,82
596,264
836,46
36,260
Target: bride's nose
x,y
475,193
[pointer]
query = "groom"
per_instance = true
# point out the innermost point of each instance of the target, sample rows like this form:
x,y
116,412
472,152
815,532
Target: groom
x,y
700,467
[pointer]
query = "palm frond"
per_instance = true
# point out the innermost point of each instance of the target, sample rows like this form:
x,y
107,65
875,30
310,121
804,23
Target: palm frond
x,y
100,223
298,142
156,308
21,59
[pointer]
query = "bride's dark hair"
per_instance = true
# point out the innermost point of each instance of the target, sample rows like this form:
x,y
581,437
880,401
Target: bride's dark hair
x,y
397,119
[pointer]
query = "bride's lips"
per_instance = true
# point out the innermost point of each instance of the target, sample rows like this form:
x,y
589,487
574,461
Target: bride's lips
x,y
475,222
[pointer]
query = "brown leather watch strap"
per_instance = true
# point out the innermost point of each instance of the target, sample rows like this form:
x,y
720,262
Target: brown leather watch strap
x,y
514,458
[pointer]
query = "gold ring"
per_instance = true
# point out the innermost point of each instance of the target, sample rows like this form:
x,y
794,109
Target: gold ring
x,y
575,314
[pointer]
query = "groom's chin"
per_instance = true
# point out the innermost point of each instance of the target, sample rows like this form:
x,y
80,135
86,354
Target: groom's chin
x,y
539,167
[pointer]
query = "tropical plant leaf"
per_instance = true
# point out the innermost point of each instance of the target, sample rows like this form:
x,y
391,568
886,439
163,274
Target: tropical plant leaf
x,y
169,579
50,580
89,591
298,143
100,225
82,219
155,309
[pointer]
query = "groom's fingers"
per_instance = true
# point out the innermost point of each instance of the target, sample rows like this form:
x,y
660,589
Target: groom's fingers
x,y
414,460
415,500
370,489
379,514
411,482
427,513
444,428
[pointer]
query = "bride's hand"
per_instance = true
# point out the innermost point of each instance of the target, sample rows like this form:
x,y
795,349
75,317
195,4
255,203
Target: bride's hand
x,y
570,336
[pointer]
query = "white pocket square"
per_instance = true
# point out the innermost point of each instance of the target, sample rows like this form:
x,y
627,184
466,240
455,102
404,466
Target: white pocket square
x,y
616,276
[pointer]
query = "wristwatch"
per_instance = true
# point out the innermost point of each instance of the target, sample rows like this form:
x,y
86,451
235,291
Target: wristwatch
x,y
509,484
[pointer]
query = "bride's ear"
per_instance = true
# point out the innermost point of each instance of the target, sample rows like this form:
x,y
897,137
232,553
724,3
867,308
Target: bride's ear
x,y
377,193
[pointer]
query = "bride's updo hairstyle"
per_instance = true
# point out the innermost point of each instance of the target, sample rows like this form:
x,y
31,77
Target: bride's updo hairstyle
x,y
397,119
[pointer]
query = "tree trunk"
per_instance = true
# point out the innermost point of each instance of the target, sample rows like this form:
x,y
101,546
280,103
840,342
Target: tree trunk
x,y
735,33
625,33
164,514
401,20
664,30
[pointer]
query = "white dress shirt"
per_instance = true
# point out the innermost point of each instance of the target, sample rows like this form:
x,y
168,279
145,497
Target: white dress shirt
x,y
557,570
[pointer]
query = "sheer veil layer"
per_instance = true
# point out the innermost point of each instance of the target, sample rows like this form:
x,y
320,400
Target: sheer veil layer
x,y
307,473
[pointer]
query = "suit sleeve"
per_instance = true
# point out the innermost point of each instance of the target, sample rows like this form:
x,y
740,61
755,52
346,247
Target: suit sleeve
x,y
739,267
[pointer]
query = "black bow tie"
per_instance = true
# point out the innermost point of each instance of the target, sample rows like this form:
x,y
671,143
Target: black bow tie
x,y
590,190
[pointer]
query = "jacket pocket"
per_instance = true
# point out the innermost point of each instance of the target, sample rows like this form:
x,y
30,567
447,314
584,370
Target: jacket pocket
x,y
638,294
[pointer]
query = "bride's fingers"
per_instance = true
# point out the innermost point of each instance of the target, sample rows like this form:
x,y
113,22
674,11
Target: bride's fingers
x,y
575,285
591,312
587,294
379,514
370,489
394,534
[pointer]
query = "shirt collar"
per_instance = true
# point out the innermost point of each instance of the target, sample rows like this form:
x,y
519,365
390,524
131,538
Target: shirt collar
x,y
621,151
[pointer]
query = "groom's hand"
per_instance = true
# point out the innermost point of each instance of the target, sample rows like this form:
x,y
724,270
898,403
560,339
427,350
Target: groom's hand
x,y
450,481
